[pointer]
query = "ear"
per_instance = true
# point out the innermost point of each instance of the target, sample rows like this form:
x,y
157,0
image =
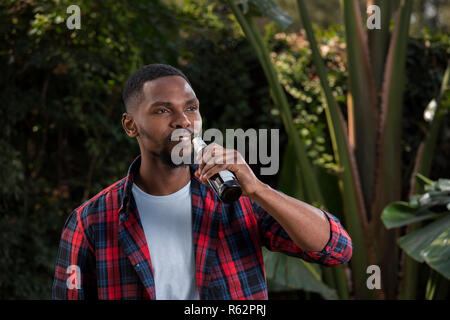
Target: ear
x,y
129,125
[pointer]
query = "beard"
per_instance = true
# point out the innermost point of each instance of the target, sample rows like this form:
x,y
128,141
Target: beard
x,y
165,156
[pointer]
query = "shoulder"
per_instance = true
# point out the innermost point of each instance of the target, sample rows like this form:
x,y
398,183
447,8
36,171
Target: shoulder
x,y
106,201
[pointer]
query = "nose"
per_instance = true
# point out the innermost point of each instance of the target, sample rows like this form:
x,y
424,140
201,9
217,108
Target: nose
x,y
181,121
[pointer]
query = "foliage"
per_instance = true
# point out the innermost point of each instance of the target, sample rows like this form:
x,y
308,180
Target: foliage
x,y
210,48
292,59
61,139
429,243
426,61
366,146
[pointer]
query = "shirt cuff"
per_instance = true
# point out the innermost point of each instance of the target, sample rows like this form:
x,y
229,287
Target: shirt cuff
x,y
339,247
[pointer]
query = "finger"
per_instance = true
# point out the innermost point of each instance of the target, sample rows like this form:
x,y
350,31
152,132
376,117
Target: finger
x,y
223,156
238,159
213,169
213,161
208,152
201,155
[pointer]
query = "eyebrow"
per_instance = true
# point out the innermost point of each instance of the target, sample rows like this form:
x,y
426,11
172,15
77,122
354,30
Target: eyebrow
x,y
168,104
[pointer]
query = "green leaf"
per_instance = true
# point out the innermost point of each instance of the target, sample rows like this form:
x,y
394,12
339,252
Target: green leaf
x,y
363,103
290,180
430,199
419,240
400,214
426,149
444,184
295,274
306,172
280,100
423,180
353,201
388,178
271,9
437,254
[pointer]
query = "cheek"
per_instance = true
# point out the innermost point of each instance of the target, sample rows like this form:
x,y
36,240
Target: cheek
x,y
148,136
143,132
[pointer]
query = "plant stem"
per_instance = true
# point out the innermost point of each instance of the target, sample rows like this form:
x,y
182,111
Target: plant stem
x,y
431,285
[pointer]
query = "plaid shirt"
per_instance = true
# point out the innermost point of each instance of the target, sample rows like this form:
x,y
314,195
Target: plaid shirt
x,y
103,243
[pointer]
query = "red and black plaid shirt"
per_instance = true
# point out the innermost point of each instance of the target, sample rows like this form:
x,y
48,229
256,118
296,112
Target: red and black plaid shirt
x,y
104,242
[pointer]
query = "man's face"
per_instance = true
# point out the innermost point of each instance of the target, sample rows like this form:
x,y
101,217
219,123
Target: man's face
x,y
168,103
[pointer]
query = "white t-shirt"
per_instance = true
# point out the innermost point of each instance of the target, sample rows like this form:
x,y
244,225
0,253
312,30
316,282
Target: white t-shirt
x,y
167,223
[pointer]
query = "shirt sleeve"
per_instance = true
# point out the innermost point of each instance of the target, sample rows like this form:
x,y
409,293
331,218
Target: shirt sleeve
x,y
75,277
337,251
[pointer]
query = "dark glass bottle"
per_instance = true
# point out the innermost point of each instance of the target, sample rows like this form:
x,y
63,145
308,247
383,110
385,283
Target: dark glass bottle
x,y
224,183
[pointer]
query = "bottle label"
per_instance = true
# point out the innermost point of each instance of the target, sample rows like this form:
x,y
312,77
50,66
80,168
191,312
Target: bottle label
x,y
199,144
226,175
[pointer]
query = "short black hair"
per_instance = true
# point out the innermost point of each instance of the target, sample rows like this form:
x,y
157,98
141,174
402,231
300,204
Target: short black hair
x,y
132,91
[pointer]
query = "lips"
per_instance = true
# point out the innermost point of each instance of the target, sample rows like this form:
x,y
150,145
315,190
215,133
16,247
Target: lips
x,y
184,137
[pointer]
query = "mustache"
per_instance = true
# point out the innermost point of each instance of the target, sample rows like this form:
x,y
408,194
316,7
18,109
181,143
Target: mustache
x,y
179,132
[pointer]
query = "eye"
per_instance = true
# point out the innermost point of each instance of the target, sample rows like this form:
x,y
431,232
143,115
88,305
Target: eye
x,y
160,111
192,108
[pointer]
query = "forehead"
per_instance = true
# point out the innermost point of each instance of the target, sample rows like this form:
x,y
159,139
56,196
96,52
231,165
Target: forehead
x,y
167,89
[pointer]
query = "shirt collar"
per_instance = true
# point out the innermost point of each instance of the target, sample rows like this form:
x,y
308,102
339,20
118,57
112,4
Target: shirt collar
x,y
129,180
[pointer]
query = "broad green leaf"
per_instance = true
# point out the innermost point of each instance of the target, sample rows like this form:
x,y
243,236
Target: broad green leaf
x,y
436,201
419,240
430,200
399,214
437,254
295,274
430,187
444,184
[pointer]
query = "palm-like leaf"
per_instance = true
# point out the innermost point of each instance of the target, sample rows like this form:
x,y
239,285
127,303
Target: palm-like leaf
x,y
364,112
354,207
379,163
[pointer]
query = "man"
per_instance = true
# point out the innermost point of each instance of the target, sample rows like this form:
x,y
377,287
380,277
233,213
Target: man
x,y
162,233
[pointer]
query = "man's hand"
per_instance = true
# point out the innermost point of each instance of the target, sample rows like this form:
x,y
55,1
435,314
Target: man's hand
x,y
215,158
307,226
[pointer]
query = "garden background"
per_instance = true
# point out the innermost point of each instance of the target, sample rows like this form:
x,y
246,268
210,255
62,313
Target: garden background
x,y
62,141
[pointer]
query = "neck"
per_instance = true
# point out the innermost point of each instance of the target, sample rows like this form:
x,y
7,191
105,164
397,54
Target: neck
x,y
158,179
